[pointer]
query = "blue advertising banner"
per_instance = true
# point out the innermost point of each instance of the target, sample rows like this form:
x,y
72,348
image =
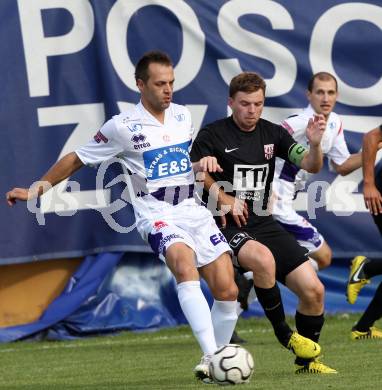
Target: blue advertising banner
x,y
68,65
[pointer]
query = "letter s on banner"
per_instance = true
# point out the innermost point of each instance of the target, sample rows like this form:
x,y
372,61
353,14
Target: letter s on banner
x,y
321,45
37,47
256,45
193,40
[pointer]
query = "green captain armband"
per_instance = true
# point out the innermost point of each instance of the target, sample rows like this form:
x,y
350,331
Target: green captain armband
x,y
296,153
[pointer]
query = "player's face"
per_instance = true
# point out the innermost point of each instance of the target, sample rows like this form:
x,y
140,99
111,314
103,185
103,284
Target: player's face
x,y
247,108
156,92
323,96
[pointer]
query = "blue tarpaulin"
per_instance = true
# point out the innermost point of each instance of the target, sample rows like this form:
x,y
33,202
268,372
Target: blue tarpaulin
x,y
115,291
82,286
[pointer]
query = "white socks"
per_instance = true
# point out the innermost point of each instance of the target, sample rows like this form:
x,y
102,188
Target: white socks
x,y
198,315
224,317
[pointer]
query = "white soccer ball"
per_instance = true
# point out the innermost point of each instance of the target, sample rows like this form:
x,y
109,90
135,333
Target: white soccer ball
x,y
231,364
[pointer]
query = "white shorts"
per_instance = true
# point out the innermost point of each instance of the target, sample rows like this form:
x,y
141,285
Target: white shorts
x,y
305,233
186,222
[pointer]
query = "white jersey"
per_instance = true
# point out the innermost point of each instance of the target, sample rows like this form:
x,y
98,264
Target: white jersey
x,y
156,154
288,177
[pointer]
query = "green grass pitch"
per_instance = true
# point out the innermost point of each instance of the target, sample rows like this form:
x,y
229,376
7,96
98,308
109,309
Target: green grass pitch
x,y
165,360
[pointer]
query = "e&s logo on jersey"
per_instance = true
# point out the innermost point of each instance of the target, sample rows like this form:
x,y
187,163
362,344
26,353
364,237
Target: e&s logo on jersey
x,y
169,161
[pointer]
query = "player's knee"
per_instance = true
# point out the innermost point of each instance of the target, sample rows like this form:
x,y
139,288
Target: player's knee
x,y
229,293
260,261
314,296
185,272
266,263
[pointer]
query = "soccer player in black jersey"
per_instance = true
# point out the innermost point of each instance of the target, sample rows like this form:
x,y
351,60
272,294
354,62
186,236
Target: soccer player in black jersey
x,y
362,268
246,146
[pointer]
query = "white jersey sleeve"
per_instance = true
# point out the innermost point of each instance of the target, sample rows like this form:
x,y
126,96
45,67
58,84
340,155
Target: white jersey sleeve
x,y
104,145
339,151
296,127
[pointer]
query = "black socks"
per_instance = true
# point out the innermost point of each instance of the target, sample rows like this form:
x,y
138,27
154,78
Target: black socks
x,y
372,313
372,268
270,300
310,327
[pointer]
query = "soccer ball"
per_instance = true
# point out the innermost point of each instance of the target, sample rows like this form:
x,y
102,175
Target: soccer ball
x,y
231,364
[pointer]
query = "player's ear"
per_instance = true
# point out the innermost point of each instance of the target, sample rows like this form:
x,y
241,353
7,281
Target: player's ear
x,y
230,102
308,94
140,84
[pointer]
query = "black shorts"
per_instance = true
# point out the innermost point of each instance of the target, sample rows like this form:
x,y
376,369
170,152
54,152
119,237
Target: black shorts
x,y
286,250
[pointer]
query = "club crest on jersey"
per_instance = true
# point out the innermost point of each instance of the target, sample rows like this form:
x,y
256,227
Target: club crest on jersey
x,y
180,117
133,127
268,151
332,125
100,137
139,140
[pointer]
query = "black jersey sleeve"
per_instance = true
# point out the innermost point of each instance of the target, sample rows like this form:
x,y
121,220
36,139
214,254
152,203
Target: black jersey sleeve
x,y
286,141
203,145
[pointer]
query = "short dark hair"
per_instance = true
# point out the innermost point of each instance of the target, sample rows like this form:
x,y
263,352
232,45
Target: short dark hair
x,y
141,69
323,76
246,82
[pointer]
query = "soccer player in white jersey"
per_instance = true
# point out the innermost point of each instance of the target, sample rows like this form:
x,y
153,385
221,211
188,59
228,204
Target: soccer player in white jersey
x,y
152,140
322,95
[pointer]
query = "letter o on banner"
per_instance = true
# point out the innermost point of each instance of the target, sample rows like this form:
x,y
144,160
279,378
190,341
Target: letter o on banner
x,y
193,40
321,46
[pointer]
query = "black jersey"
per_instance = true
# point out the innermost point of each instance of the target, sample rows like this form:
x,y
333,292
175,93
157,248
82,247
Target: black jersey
x,y
247,158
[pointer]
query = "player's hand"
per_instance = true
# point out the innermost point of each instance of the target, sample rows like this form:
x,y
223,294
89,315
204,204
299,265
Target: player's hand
x,y
237,208
373,199
207,164
315,129
19,194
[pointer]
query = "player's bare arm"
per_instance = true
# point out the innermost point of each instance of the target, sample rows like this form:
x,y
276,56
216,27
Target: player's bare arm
x,y
312,160
372,197
351,164
64,168
238,208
